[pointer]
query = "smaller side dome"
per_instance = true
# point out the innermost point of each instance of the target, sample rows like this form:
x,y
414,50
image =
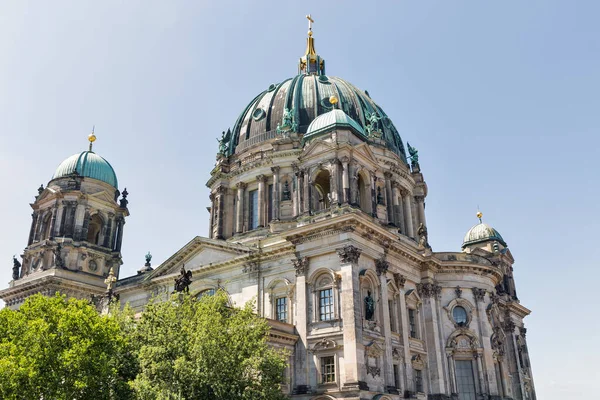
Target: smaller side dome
x,y
87,164
331,120
482,233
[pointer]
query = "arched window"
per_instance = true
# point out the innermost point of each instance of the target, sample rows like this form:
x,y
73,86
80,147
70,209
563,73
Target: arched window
x,y
206,292
364,193
46,226
322,195
94,229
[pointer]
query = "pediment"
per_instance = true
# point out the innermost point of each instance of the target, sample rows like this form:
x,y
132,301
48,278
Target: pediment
x,y
317,147
102,196
198,252
364,151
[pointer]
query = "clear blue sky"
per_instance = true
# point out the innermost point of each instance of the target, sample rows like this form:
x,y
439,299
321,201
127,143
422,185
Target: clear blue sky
x,y
501,98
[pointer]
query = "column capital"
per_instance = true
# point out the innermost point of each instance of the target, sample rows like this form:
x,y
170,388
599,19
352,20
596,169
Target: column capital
x,y
345,159
428,289
381,266
221,190
420,199
275,169
261,178
349,254
301,265
387,174
395,185
241,185
478,293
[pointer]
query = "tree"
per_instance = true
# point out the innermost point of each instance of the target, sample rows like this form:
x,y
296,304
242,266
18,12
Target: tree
x,y
54,348
203,349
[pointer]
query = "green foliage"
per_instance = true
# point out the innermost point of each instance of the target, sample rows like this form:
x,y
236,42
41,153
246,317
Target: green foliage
x,y
203,349
54,348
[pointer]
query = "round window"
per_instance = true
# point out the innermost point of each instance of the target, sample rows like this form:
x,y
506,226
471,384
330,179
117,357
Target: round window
x,y
460,315
258,114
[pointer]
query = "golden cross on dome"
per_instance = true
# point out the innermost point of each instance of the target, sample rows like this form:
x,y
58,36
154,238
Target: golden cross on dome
x,y
310,22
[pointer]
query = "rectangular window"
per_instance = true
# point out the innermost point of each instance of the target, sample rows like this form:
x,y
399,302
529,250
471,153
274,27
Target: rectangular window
x,y
270,204
412,321
419,380
253,209
396,376
392,316
465,380
326,304
281,306
327,369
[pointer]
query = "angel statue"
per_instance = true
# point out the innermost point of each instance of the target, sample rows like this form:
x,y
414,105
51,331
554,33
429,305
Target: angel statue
x,y
414,155
373,119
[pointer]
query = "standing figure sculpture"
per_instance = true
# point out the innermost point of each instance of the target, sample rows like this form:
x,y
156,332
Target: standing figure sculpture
x,y
414,155
183,281
423,237
16,267
369,307
58,260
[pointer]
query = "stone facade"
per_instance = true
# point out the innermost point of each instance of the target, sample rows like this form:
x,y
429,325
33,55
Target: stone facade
x,y
324,227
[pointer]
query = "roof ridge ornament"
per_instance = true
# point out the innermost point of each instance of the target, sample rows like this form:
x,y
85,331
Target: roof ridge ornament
x,y
479,215
310,62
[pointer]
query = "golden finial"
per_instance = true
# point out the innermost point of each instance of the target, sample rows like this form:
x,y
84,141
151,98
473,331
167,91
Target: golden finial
x,y
479,215
92,137
333,100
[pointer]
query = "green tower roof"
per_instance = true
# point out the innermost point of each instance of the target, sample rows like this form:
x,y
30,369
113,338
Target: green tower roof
x,y
87,164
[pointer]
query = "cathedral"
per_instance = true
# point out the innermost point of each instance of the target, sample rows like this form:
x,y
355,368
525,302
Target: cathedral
x,y
318,214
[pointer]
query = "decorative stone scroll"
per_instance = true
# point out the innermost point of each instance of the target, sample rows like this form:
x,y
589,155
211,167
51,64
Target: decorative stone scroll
x,y
400,280
301,265
349,254
458,292
381,266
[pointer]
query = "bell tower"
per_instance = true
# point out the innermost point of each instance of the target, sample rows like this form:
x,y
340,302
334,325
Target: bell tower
x,y
76,232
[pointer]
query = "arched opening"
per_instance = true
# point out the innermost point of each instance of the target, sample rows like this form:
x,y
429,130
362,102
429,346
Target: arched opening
x,y
94,229
364,193
322,193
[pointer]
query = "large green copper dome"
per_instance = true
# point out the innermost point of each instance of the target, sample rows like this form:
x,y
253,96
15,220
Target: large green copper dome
x,y
306,97
87,164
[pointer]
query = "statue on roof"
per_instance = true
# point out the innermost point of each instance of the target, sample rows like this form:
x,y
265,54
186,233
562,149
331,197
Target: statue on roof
x,y
224,142
16,267
123,202
287,195
148,258
373,126
58,260
423,237
183,281
414,155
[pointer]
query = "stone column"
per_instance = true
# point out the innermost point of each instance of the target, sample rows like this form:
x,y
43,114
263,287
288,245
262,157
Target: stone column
x,y
397,201
78,221
388,198
34,218
212,216
452,383
382,267
301,361
354,358
37,224
86,224
335,182
276,193
415,217
429,292
63,218
373,195
108,232
485,335
261,200
307,184
241,192
345,181
121,224
70,219
52,223
421,209
298,187
220,212
400,280
408,220
59,219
